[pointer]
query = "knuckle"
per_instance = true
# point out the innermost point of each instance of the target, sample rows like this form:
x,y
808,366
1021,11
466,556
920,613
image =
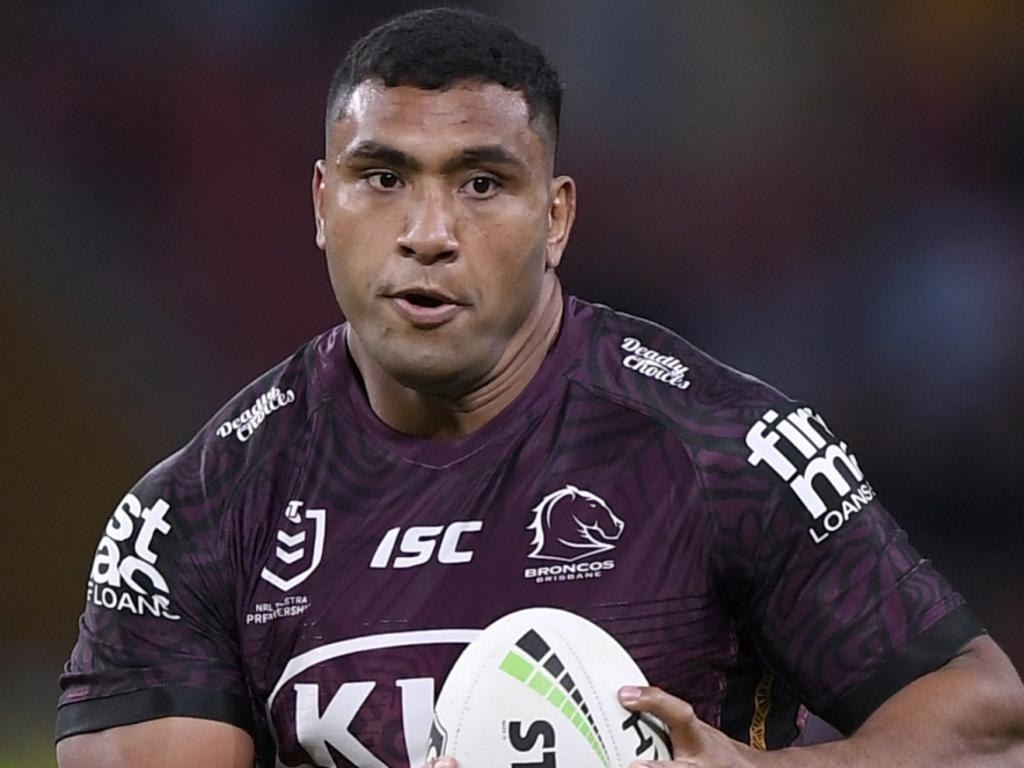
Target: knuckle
x,y
685,710
657,694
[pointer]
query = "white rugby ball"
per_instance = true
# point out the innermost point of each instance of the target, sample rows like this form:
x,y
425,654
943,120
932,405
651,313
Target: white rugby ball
x,y
539,689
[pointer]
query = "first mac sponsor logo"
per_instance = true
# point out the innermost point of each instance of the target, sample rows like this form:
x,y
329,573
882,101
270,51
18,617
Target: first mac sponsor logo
x,y
124,575
813,463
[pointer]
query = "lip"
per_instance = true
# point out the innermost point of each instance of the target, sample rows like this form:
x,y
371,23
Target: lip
x,y
425,317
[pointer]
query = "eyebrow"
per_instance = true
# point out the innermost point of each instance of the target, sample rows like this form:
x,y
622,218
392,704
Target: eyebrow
x,y
484,154
384,154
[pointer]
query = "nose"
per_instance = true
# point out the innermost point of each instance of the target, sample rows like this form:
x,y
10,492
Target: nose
x,y
430,228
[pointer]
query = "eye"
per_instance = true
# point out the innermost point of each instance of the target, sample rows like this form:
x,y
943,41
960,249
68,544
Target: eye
x,y
481,187
383,181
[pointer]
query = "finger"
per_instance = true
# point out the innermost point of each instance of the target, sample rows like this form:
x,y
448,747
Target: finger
x,y
685,729
443,762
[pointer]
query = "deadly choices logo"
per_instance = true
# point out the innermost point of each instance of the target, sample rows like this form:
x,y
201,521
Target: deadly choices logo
x,y
572,527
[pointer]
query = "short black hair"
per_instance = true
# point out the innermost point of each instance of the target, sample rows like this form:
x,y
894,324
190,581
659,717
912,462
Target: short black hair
x,y
437,48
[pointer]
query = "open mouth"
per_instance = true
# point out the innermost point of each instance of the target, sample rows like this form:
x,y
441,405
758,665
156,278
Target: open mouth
x,y
423,300
426,307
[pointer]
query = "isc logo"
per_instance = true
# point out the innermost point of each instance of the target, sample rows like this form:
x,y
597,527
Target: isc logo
x,y
418,543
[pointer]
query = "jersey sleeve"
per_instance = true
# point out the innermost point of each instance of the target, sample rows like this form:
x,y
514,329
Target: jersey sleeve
x,y
837,601
157,637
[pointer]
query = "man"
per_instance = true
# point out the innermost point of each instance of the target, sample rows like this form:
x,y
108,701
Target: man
x,y
293,585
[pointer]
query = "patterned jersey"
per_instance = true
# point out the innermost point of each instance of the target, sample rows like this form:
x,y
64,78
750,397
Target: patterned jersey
x,y
306,573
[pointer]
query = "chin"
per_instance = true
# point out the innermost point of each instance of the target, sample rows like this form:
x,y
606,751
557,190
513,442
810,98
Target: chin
x,y
435,374
444,383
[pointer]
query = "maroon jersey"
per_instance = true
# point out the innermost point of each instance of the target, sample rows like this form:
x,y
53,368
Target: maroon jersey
x,y
306,573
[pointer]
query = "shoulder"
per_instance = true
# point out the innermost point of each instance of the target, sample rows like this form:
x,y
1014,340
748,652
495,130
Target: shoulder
x,y
757,454
166,558
650,369
162,592
263,419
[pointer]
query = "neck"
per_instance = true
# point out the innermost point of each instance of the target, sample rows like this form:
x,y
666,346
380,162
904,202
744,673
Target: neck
x,y
437,417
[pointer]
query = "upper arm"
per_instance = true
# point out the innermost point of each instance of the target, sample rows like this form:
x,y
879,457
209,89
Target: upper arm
x,y
165,743
969,712
979,686
839,604
158,638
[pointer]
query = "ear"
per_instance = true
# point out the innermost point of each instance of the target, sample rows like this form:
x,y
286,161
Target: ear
x,y
561,215
319,169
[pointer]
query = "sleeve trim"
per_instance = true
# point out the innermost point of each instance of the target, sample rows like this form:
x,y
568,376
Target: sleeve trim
x,y
924,654
151,704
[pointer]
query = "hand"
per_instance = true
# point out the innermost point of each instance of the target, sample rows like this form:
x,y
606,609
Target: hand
x,y
695,744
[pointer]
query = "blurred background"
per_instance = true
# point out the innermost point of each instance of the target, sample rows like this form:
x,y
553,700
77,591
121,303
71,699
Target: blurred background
x,y
830,196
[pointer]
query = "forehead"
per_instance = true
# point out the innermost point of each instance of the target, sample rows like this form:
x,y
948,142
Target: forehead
x,y
426,121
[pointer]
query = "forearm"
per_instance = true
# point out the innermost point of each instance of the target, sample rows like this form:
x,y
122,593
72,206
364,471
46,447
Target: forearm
x,y
968,714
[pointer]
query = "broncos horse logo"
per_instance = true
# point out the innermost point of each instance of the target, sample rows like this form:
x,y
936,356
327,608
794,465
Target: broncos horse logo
x,y
571,524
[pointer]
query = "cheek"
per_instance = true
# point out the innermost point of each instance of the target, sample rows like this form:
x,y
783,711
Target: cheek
x,y
518,231
512,273
522,241
350,264
358,241
355,216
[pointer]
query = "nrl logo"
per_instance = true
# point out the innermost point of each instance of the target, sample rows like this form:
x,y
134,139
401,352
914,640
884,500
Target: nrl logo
x,y
572,524
294,548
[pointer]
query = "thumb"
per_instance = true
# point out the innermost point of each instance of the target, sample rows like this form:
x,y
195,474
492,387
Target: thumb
x,y
687,732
